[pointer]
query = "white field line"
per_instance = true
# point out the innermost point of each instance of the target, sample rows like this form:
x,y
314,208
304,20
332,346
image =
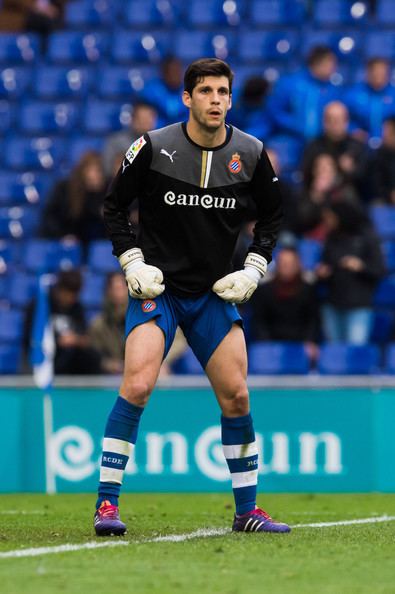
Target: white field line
x,y
22,512
66,548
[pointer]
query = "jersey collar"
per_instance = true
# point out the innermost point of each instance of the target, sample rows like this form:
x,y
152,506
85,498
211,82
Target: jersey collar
x,y
229,132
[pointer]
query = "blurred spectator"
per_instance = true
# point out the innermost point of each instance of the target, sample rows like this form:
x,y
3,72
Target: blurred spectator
x,y
290,204
143,118
351,267
39,16
350,153
285,308
177,349
324,185
248,113
372,101
107,330
165,93
74,208
382,166
298,100
74,354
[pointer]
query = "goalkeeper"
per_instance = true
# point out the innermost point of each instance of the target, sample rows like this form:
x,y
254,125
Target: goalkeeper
x,y
193,182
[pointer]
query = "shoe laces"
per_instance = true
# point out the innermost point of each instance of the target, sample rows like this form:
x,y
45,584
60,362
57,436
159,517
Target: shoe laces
x,y
261,512
108,510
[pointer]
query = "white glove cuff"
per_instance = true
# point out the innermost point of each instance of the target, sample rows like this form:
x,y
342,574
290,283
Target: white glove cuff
x,y
255,266
131,259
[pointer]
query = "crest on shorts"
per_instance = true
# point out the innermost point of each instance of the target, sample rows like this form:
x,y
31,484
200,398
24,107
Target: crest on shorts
x,y
148,305
135,148
234,164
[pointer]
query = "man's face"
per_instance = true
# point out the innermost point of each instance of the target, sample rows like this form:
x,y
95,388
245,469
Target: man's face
x,y
143,120
335,120
378,75
324,68
209,102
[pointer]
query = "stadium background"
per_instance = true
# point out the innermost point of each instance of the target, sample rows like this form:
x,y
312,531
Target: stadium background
x,y
61,99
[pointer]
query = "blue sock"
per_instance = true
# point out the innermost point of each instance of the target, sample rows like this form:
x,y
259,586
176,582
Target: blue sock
x,y
241,453
120,435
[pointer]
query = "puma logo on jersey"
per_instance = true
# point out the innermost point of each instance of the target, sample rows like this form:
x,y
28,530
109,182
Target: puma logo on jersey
x,y
164,152
125,163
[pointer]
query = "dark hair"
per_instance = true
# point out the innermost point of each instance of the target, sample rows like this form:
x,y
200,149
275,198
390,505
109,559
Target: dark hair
x,y
376,60
76,184
390,120
318,53
206,67
69,280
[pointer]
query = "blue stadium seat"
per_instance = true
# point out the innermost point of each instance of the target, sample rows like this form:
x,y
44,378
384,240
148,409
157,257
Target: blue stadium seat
x,y
150,13
88,13
34,153
9,359
380,44
37,117
19,48
76,46
288,150
7,115
62,82
383,325
14,81
101,259
189,45
347,44
92,293
10,256
80,145
255,46
276,358
21,289
385,293
310,252
385,13
23,188
150,47
11,326
389,365
388,248
187,364
50,256
347,359
266,13
330,13
104,117
123,81
383,218
18,222
214,13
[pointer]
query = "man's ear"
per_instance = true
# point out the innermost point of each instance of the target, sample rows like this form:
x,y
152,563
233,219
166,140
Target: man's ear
x,y
230,102
186,99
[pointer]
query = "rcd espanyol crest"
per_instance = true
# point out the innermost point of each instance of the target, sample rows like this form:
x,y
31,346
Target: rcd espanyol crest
x,y
234,164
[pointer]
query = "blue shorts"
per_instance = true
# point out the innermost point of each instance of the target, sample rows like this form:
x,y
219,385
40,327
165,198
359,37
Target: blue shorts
x,y
204,320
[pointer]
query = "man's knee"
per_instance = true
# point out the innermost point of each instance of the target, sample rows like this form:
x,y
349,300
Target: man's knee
x,y
236,402
136,390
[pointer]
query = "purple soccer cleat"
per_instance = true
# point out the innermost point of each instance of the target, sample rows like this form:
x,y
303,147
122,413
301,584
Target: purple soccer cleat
x,y
107,520
258,520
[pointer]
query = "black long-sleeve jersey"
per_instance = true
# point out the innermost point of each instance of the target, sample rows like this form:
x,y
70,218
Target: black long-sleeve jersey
x,y
192,202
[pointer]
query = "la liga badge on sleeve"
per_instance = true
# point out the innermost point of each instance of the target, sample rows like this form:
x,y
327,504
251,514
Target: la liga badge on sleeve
x,y
135,148
234,164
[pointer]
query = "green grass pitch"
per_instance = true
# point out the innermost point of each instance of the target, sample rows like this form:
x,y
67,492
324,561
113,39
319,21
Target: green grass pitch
x,y
350,559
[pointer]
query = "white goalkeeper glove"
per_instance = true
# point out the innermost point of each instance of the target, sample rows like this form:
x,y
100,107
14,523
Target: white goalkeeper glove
x,y
144,281
238,286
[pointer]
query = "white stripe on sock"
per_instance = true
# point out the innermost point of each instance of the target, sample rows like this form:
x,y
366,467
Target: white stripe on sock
x,y
244,450
244,479
118,446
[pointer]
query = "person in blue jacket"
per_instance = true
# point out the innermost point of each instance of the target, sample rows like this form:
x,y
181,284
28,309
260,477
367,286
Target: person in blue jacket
x,y
298,99
165,93
372,101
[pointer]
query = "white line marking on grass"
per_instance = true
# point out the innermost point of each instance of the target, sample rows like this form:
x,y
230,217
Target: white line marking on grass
x,y
66,548
22,512
202,533
198,534
347,522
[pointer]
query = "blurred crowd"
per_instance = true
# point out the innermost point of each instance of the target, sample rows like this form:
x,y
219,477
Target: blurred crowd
x,y
345,143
